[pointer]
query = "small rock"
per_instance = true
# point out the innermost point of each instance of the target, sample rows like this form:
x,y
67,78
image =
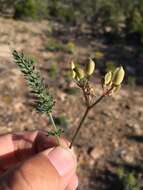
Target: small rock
x,y
129,158
5,51
137,129
96,153
91,162
115,142
61,96
135,126
18,107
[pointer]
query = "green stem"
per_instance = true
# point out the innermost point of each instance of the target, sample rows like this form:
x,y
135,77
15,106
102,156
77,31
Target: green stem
x,y
86,113
54,127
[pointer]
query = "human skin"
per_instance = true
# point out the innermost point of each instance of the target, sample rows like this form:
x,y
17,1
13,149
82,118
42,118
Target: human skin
x,y
33,161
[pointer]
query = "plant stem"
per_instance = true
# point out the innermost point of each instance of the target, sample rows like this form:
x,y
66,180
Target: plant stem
x,y
54,127
86,113
101,97
79,126
85,97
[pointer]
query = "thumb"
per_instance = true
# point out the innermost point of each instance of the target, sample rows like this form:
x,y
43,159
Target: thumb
x,y
50,169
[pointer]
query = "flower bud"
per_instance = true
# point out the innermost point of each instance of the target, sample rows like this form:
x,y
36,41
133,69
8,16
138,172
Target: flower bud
x,y
116,89
79,73
108,78
90,67
73,74
72,65
118,76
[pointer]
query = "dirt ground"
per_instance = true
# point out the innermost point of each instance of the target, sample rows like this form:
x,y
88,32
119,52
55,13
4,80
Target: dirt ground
x,y
113,133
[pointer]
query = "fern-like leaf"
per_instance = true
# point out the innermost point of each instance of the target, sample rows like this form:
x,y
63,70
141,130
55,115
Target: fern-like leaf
x,y
35,82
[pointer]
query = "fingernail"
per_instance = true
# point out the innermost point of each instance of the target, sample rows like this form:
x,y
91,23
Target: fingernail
x,y
62,159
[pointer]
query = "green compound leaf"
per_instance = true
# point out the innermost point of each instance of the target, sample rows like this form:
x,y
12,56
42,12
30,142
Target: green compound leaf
x,y
35,82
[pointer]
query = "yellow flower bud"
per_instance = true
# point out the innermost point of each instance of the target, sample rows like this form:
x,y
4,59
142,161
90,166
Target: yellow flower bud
x,y
72,65
108,78
79,73
90,67
73,74
118,76
116,89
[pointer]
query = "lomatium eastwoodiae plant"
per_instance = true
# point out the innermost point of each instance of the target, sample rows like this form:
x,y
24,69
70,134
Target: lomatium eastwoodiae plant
x,y
111,83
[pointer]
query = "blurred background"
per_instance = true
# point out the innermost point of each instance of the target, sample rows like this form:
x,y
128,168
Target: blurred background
x,y
54,32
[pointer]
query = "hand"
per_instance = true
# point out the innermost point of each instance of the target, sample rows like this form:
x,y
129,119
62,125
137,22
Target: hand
x,y
33,161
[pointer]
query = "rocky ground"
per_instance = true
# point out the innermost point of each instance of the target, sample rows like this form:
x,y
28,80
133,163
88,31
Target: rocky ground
x,y
113,133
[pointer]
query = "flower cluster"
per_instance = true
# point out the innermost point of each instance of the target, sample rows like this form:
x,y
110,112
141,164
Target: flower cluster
x,y
78,73
112,79
111,83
